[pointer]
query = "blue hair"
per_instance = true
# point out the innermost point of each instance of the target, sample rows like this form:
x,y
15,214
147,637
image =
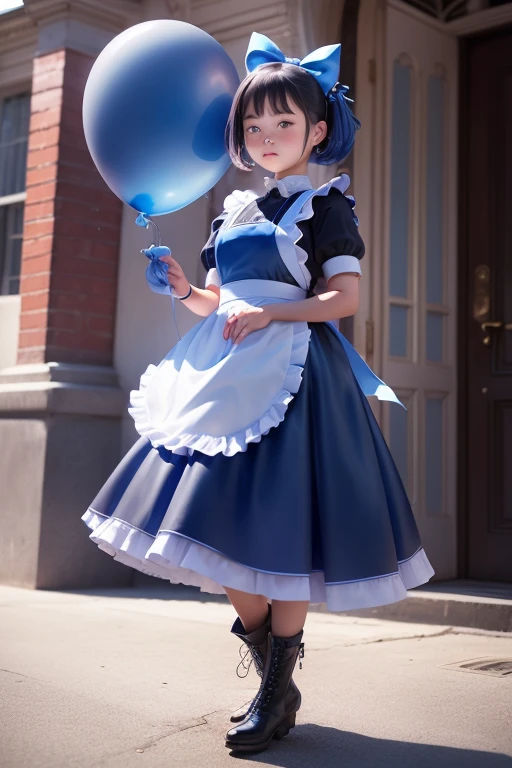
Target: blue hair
x,y
342,126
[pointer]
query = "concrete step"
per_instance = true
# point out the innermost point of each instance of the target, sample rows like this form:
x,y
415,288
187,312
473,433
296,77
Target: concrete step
x,y
457,602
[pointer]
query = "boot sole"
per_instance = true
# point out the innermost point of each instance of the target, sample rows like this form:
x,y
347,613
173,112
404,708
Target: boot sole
x,y
280,732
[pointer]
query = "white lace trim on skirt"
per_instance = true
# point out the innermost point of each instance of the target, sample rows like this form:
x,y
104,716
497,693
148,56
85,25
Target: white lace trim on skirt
x,y
180,560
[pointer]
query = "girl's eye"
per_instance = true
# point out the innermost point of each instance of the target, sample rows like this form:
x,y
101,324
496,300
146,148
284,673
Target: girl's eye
x,y
285,123
249,130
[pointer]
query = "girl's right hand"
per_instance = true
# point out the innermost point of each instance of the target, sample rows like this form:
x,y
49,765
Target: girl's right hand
x,y
176,276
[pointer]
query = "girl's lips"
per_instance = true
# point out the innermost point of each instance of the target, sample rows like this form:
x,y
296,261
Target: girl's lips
x,y
266,154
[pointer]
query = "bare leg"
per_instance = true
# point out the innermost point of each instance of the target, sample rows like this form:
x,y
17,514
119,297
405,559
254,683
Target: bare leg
x,y
288,617
252,609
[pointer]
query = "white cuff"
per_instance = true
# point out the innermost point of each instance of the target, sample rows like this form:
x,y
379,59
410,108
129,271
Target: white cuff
x,y
212,278
339,264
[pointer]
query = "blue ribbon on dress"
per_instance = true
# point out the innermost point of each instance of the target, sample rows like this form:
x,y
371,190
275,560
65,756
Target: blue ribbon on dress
x,y
366,378
323,63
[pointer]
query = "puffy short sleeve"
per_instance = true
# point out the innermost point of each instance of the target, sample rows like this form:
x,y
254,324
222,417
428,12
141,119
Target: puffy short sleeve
x,y
208,254
338,246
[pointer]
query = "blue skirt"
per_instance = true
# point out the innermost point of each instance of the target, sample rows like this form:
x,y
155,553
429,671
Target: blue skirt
x,y
314,511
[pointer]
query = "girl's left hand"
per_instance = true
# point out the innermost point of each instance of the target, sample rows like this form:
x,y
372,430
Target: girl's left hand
x,y
239,326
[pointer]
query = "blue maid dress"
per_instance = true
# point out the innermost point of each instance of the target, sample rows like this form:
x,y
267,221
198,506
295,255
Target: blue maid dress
x,y
260,465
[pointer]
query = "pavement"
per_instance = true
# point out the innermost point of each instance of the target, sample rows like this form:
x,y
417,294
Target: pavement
x,y
145,677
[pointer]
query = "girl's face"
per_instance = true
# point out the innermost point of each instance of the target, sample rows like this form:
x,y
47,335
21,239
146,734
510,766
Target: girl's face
x,y
276,141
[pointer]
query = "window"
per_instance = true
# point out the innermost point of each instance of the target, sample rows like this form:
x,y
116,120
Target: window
x,y
14,127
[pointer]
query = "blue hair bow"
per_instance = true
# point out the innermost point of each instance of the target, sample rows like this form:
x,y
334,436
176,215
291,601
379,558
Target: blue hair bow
x,y
323,64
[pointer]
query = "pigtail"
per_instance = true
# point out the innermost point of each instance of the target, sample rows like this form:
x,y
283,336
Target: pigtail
x,y
342,126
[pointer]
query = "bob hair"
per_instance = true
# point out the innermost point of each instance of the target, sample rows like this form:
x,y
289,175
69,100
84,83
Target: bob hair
x,y
279,82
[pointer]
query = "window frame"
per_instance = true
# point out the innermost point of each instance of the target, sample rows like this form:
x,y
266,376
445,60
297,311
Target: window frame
x,y
6,201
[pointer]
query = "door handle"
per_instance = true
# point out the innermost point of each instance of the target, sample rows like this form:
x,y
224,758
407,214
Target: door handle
x,y
489,324
482,303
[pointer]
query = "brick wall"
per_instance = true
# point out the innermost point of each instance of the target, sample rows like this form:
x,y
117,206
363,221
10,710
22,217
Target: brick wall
x,y
71,227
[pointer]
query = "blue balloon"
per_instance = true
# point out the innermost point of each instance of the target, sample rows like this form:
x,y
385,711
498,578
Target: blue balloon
x,y
155,109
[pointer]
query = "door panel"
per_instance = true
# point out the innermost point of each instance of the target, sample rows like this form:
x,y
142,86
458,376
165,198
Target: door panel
x,y
419,340
487,261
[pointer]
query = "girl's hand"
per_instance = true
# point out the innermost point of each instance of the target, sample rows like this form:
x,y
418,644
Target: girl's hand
x,y
239,326
176,276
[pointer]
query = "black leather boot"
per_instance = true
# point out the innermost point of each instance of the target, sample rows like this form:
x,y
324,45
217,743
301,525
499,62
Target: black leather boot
x,y
256,643
269,716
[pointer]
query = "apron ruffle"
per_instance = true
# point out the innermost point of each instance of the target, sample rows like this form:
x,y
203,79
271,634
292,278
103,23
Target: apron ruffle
x,y
213,396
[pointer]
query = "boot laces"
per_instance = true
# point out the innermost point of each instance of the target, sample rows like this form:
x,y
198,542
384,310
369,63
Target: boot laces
x,y
269,686
244,652
243,657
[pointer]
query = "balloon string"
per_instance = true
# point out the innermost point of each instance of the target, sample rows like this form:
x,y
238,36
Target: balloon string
x,y
174,316
143,220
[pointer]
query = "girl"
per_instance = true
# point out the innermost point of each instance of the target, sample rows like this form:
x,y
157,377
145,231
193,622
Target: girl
x,y
261,471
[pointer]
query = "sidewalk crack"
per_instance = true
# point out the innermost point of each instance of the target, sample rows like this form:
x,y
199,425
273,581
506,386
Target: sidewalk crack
x,y
447,631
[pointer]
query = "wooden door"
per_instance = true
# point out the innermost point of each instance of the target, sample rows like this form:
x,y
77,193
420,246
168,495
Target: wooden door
x,y
486,306
420,271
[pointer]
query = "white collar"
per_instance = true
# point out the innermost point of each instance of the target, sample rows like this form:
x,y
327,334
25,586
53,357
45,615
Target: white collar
x,y
289,185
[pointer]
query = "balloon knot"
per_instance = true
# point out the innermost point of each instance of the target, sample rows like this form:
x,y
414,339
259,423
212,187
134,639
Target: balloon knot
x,y
142,220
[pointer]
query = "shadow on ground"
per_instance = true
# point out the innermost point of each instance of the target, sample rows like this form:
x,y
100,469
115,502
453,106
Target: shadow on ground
x,y
151,592
317,746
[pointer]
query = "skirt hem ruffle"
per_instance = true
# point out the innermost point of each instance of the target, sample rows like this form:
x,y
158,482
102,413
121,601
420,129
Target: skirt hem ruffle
x,y
181,560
